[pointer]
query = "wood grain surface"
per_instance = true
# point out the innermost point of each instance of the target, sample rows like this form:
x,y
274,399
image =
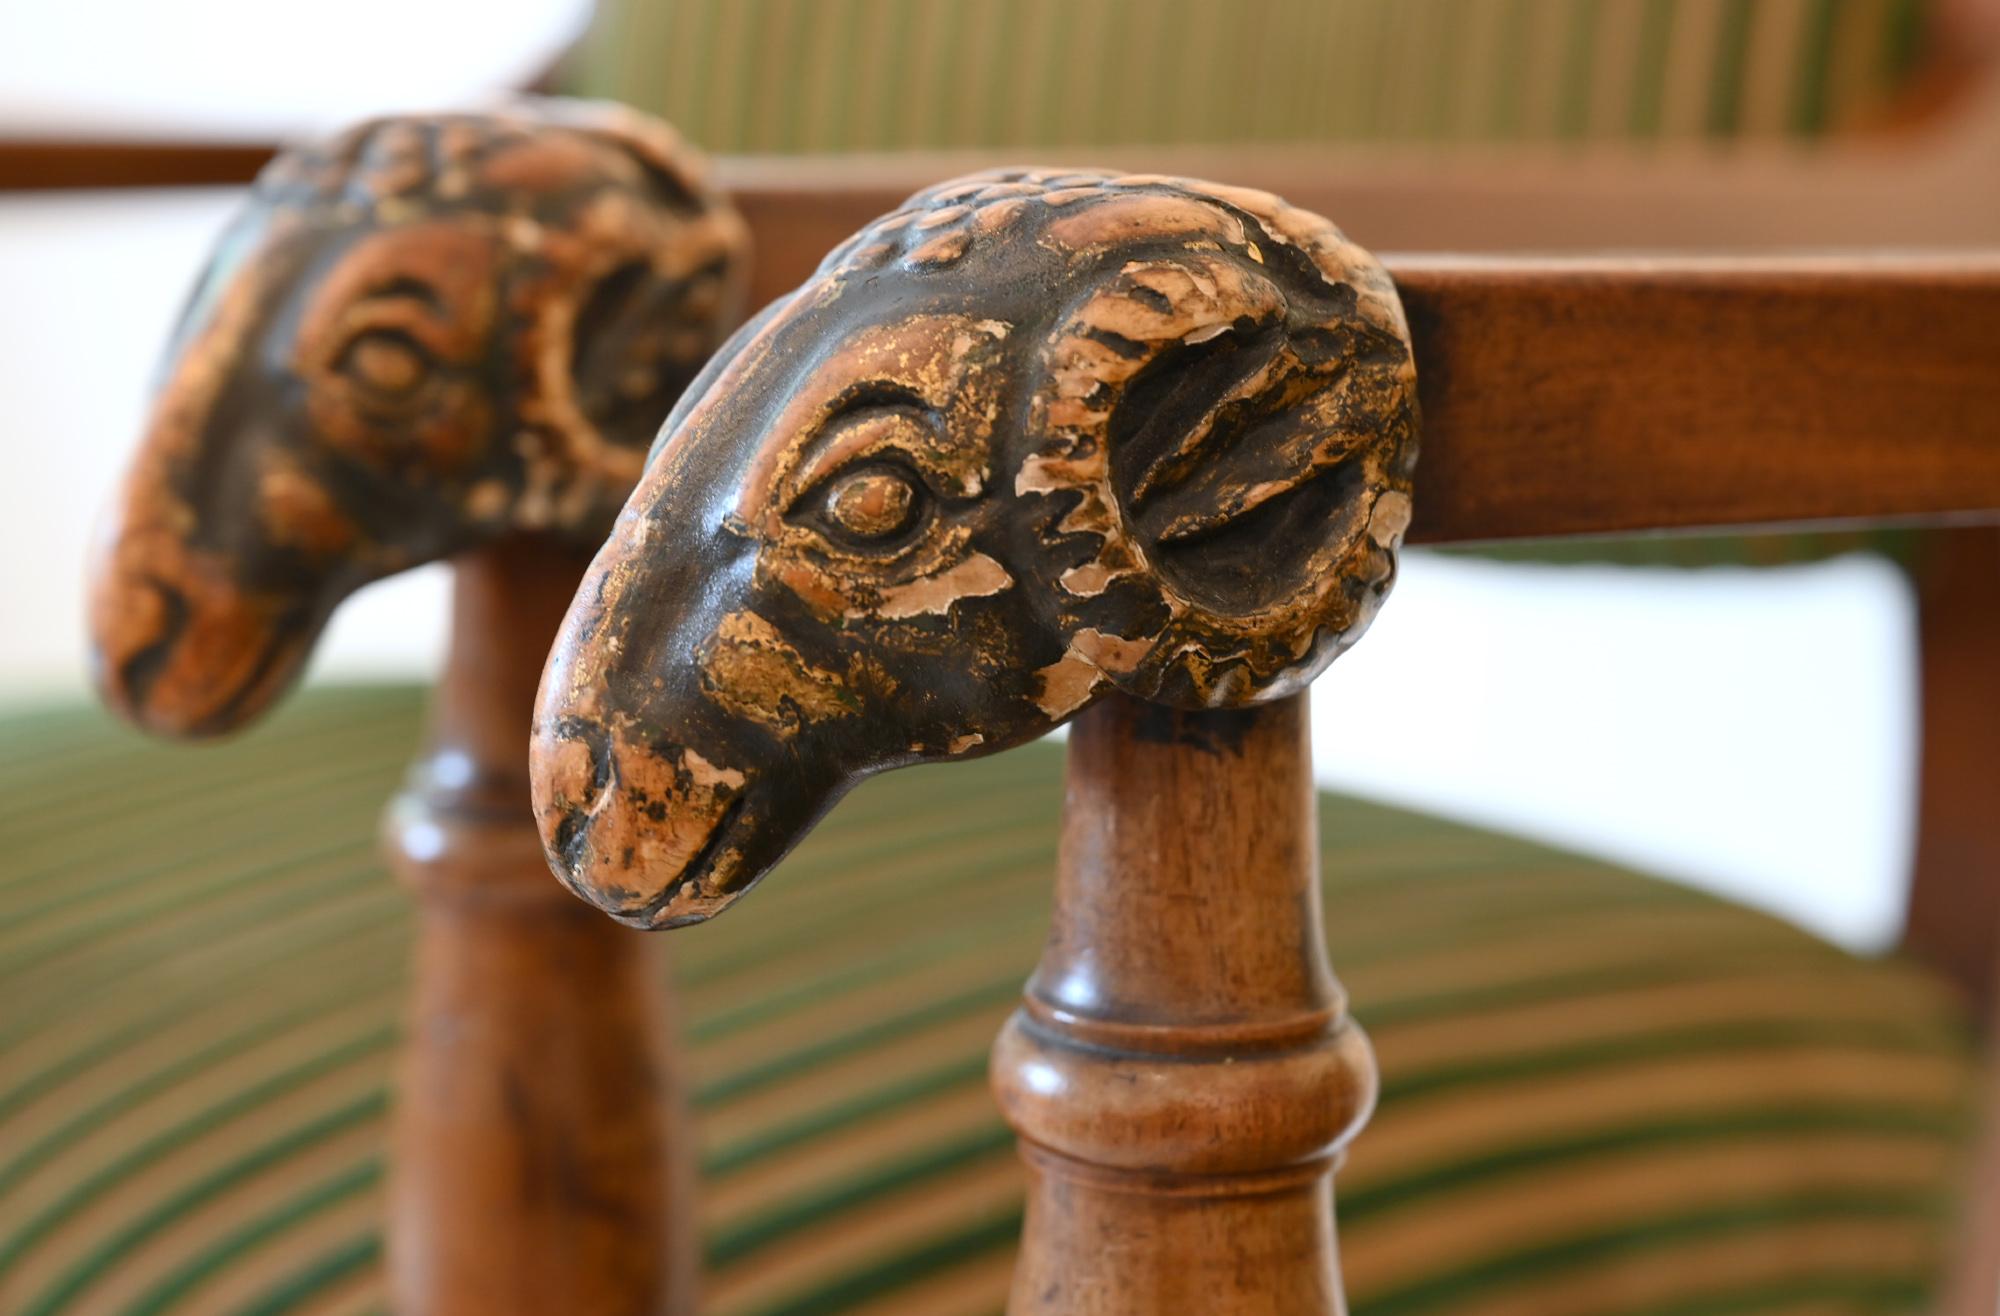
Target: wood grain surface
x,y
1182,1072
1627,394
541,1158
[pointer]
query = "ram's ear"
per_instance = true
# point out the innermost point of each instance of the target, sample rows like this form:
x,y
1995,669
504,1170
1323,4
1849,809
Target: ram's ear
x,y
1258,433
633,349
663,266
1241,462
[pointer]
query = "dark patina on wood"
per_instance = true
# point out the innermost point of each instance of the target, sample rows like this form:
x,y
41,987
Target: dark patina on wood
x,y
417,337
450,336
1034,437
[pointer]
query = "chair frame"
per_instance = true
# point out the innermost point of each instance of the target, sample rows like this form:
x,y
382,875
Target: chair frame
x,y
1721,418
1599,397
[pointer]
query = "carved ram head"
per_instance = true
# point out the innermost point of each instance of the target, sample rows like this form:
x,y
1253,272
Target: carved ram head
x,y
1033,437
422,335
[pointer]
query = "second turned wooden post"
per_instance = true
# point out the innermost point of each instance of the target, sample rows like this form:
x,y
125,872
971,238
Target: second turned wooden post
x,y
1182,1071
540,1162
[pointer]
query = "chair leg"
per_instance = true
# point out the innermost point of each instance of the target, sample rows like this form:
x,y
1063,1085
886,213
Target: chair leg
x,y
1954,912
1974,1287
541,1159
1182,1072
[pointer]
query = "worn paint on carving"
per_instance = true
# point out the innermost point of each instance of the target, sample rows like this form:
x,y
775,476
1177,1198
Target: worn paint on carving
x,y
421,335
1037,436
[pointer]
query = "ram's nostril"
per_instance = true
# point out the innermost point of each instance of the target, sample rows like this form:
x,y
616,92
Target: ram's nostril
x,y
572,829
140,604
576,774
594,766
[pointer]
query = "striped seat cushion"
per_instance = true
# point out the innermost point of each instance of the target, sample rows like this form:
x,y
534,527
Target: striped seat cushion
x,y
1603,1095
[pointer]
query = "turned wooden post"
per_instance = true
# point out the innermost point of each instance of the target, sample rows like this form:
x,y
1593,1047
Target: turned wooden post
x,y
449,336
1182,1071
1953,917
541,1158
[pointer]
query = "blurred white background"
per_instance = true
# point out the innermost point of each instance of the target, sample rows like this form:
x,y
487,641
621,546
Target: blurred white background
x,y
257,69
1752,732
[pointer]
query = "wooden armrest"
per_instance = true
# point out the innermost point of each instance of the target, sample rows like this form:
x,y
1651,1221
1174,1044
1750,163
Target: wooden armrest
x,y
40,165
1612,395
1607,396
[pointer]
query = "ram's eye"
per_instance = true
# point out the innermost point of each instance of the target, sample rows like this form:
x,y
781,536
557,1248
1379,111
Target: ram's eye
x,y
387,363
872,505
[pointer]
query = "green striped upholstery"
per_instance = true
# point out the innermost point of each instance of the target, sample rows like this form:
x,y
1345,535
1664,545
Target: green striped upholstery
x,y
1603,1095
807,76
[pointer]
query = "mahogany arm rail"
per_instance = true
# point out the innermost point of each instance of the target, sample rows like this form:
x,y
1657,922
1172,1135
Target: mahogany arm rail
x,y
1609,396
48,164
1605,395
1612,395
